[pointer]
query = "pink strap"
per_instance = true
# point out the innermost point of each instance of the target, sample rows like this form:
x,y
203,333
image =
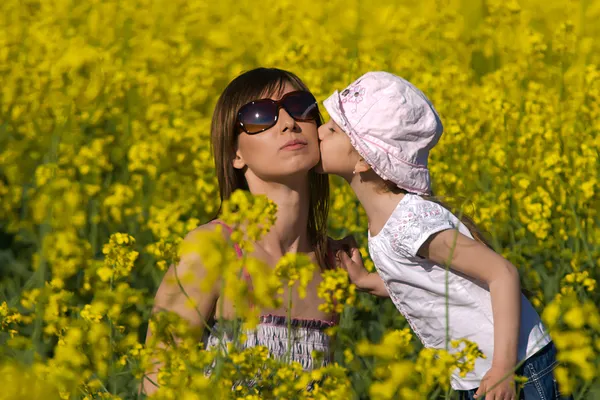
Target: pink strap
x,y
238,251
237,248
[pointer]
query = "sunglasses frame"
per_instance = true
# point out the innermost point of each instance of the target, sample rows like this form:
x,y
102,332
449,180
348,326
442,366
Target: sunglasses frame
x,y
279,105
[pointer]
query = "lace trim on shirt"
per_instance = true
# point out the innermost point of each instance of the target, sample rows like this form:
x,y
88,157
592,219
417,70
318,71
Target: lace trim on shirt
x,y
413,223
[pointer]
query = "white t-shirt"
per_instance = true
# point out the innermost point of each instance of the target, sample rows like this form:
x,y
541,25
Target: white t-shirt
x,y
418,288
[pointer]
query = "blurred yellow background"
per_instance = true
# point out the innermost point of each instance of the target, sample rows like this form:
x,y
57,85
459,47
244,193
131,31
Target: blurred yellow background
x,y
105,108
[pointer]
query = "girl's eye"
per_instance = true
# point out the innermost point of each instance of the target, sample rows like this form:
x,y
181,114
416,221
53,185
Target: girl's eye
x,y
331,130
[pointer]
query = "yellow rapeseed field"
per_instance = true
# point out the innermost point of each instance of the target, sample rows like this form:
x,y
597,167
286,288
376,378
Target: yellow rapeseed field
x,y
105,164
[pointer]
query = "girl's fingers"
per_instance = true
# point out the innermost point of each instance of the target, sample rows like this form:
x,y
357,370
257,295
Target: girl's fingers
x,y
351,247
348,262
344,257
347,252
347,244
356,257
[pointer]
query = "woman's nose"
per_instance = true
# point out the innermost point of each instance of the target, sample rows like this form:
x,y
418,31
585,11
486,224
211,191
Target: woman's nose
x,y
287,122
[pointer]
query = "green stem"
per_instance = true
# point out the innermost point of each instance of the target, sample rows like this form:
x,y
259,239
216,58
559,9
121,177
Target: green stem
x,y
102,384
236,335
436,394
447,302
220,333
38,281
94,227
581,233
289,325
187,296
583,391
449,393
113,381
149,380
447,288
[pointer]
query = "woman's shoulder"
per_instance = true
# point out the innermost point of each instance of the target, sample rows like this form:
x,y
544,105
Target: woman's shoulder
x,y
181,280
194,245
216,225
210,226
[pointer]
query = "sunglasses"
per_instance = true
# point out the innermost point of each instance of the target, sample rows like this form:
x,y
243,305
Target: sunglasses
x,y
260,115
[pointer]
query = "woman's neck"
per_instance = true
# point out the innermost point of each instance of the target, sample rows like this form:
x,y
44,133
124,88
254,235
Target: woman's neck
x,y
378,205
289,234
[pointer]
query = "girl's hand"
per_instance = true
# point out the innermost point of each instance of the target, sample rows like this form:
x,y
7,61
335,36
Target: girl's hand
x,y
497,384
347,255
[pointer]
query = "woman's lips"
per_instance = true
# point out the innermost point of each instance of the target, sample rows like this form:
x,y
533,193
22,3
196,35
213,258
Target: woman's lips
x,y
295,144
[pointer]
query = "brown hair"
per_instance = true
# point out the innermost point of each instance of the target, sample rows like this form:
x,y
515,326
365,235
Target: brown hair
x,y
247,87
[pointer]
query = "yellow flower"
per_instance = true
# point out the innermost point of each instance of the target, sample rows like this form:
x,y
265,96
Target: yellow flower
x,y
336,291
574,329
106,126
250,217
119,257
295,268
575,318
222,264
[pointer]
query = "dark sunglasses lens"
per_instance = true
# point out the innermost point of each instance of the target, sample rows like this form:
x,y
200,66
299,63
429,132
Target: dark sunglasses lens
x,y
258,116
301,106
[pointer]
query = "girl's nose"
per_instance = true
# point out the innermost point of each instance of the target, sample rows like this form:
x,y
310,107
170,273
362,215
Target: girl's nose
x,y
321,132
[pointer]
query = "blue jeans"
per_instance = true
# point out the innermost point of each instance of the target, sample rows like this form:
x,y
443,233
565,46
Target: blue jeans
x,y
538,369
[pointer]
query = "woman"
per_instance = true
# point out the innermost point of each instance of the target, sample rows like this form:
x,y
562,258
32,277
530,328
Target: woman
x,y
264,138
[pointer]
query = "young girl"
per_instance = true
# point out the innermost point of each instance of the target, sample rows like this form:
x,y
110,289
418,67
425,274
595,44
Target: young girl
x,y
379,137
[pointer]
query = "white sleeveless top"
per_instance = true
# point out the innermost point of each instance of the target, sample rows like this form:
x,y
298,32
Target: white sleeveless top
x,y
418,288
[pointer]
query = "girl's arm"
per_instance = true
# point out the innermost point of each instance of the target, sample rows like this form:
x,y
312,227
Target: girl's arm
x,y
170,297
476,260
348,256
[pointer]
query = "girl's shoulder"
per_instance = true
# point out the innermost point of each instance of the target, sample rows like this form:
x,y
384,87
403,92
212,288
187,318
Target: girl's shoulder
x,y
414,208
413,221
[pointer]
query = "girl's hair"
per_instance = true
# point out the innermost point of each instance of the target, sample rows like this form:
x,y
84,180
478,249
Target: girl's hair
x,y
249,86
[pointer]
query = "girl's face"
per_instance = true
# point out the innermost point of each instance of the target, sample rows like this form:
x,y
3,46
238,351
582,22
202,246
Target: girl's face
x,y
285,150
338,156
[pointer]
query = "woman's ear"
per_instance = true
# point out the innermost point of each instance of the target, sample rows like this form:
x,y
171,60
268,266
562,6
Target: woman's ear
x,y
361,166
238,160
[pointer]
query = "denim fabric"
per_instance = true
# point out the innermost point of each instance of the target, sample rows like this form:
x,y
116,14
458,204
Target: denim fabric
x,y
541,384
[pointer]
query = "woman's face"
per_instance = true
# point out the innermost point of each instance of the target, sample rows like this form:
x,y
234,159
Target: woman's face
x,y
287,149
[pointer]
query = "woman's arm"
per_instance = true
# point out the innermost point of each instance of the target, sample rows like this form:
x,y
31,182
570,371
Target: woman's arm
x,y
170,297
476,260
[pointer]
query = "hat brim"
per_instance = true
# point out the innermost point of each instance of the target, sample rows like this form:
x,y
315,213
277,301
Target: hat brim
x,y
415,179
